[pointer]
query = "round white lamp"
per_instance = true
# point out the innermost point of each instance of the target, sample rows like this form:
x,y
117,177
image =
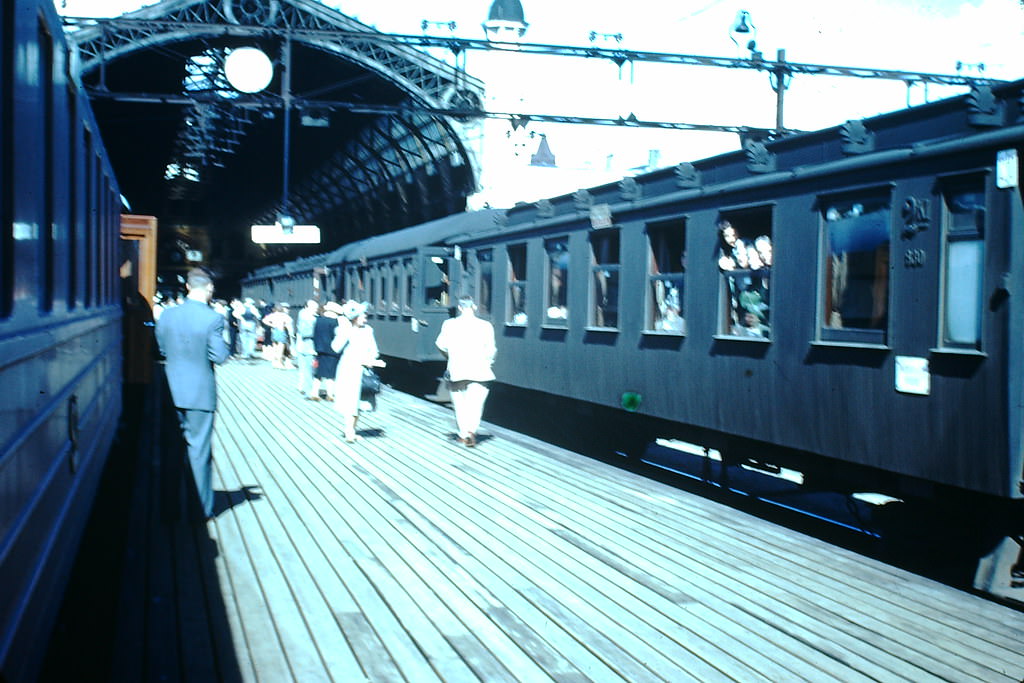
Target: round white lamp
x,y
248,69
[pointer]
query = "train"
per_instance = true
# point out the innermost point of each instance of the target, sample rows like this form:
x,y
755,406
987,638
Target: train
x,y
844,303
60,324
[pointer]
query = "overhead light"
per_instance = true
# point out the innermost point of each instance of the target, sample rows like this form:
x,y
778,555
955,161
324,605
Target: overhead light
x,y
316,119
248,69
276,234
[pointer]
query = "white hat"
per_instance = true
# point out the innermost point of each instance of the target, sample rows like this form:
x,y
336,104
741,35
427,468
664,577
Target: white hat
x,y
333,307
353,309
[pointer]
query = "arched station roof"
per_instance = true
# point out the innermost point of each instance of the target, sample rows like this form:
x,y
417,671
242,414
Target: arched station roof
x,y
368,151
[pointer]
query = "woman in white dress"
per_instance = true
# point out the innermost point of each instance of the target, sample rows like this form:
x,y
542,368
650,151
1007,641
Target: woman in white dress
x,y
355,342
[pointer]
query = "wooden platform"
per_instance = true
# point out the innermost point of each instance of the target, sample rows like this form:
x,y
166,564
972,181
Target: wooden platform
x,y
408,557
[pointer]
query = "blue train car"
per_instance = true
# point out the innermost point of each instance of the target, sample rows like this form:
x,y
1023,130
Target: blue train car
x,y
60,324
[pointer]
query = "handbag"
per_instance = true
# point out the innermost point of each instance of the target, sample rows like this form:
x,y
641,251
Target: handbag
x,y
370,382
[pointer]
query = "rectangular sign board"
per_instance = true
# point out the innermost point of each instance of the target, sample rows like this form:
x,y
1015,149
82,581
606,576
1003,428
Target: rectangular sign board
x,y
275,234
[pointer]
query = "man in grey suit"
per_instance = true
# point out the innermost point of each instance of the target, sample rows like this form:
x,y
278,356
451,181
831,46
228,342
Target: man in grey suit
x,y
191,337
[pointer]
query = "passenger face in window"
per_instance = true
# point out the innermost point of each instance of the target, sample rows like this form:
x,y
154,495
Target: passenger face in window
x,y
754,259
763,244
733,253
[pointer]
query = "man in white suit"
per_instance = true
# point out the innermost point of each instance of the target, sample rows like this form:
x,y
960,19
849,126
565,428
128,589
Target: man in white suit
x,y
468,343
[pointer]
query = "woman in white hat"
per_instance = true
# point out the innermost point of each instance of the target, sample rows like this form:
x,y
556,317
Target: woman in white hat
x,y
355,342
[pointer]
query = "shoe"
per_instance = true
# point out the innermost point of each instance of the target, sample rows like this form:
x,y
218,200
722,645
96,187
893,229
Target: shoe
x,y
470,441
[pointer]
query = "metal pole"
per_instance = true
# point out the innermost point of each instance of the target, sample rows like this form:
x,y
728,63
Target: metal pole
x,y
286,97
780,88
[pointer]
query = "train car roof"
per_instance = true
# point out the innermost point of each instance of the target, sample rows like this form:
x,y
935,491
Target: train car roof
x,y
404,240
763,160
436,232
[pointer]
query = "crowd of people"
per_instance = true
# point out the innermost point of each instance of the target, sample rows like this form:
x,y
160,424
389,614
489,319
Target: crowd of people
x,y
333,348
747,272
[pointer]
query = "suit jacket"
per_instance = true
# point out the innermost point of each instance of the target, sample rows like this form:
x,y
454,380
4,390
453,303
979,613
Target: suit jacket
x,y
191,337
468,341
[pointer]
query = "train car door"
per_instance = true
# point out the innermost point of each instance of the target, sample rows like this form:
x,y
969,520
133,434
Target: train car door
x,y
138,285
439,273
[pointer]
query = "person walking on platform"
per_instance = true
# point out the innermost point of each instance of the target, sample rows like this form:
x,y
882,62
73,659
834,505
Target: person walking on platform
x,y
357,346
305,351
326,359
248,322
280,334
468,343
191,338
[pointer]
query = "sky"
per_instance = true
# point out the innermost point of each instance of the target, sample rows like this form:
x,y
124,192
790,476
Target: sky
x,y
905,35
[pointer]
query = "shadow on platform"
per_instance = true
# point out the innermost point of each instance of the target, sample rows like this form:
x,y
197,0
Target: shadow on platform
x,y
143,602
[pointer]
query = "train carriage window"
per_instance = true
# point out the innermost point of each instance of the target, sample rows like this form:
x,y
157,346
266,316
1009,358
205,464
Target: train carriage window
x,y
351,282
484,282
396,288
557,310
666,268
435,282
964,223
407,273
72,193
604,280
744,257
856,267
516,308
361,285
383,283
6,158
371,283
94,229
48,130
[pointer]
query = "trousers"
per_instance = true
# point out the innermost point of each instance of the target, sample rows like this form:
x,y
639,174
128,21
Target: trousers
x,y
468,400
305,363
197,426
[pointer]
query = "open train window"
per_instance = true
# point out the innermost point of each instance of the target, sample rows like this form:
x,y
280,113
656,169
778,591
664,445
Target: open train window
x,y
665,272
371,283
407,272
72,190
436,281
963,223
556,310
89,222
6,158
604,278
395,288
484,282
46,241
744,257
855,301
516,308
383,288
351,282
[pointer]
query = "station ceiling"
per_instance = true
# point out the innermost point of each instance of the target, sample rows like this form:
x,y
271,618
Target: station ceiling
x,y
367,151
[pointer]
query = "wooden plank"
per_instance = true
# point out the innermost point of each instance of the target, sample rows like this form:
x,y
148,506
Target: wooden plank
x,y
258,640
